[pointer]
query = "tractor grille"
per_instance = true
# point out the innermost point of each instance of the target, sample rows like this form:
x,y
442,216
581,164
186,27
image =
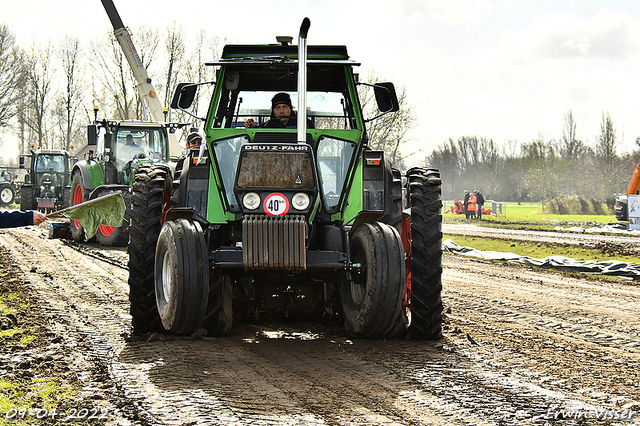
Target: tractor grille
x,y
274,242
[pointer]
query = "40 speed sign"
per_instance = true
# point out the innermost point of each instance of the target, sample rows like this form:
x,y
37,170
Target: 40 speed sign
x,y
276,204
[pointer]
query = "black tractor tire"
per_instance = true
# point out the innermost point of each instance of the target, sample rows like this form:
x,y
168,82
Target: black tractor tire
x,y
151,188
115,236
372,299
218,319
26,198
79,194
181,276
393,200
424,196
7,194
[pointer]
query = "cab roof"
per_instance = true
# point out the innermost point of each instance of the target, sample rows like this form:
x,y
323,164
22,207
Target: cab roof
x,y
279,53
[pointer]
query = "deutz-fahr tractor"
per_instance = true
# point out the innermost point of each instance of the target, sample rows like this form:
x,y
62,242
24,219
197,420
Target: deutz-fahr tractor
x,y
299,220
46,185
121,147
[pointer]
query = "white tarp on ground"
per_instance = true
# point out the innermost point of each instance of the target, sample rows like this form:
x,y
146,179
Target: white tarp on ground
x,y
613,229
606,267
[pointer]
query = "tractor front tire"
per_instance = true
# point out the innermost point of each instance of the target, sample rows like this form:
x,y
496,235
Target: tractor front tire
x,y
26,197
424,189
7,194
372,299
181,276
151,189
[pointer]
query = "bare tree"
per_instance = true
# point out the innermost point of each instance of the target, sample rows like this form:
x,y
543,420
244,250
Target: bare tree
x,y
40,78
571,148
114,75
70,100
13,75
606,145
388,133
194,70
175,48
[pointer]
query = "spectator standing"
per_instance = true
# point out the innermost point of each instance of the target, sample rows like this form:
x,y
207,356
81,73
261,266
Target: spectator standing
x,y
473,206
480,201
466,204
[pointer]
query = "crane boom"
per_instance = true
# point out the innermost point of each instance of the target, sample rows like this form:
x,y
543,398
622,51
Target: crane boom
x,y
145,88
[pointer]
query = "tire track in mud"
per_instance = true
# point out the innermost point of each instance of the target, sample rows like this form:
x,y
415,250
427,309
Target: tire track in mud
x,y
577,336
305,374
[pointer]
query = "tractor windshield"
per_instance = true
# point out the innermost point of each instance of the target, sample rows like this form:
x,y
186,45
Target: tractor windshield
x,y
50,163
131,143
325,110
249,87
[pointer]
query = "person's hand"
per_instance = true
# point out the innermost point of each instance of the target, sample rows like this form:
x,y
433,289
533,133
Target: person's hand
x,y
249,123
38,217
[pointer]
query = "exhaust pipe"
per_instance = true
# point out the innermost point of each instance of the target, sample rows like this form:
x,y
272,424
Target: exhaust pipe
x,y
302,81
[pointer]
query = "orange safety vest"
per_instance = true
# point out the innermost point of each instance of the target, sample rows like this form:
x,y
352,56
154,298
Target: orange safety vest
x,y
473,206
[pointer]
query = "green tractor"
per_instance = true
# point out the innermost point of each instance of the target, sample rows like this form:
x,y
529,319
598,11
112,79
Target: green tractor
x,y
121,148
286,216
46,184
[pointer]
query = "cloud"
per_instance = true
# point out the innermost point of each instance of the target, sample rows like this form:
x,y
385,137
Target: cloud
x,y
449,12
608,34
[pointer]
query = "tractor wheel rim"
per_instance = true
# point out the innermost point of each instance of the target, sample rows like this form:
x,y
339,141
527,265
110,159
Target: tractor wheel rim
x,y
77,199
166,276
5,195
106,230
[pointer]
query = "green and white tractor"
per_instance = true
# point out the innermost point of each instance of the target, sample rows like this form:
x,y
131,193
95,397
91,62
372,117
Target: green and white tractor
x,y
46,184
120,149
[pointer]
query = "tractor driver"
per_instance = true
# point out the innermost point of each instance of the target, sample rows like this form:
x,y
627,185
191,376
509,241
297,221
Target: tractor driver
x,y
130,149
129,140
282,114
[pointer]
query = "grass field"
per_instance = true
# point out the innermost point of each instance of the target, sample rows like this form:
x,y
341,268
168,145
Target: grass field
x,y
530,213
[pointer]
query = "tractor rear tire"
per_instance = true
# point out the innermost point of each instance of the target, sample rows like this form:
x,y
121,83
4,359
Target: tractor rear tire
x,y
26,197
372,300
425,187
151,190
219,317
181,276
78,195
115,236
7,194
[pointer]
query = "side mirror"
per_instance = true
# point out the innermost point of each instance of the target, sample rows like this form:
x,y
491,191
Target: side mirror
x,y
25,161
107,141
92,134
386,97
184,95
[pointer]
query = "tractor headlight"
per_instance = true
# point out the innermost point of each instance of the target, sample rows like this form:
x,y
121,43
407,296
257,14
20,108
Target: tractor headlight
x,y
251,201
300,201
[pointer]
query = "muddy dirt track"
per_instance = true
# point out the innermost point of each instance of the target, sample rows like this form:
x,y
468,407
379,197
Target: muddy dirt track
x,y
521,347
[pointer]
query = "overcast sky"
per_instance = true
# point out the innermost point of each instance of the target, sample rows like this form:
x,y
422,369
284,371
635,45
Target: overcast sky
x,y
502,69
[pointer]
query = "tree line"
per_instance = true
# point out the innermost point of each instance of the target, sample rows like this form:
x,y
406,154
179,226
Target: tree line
x,y
540,170
48,91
